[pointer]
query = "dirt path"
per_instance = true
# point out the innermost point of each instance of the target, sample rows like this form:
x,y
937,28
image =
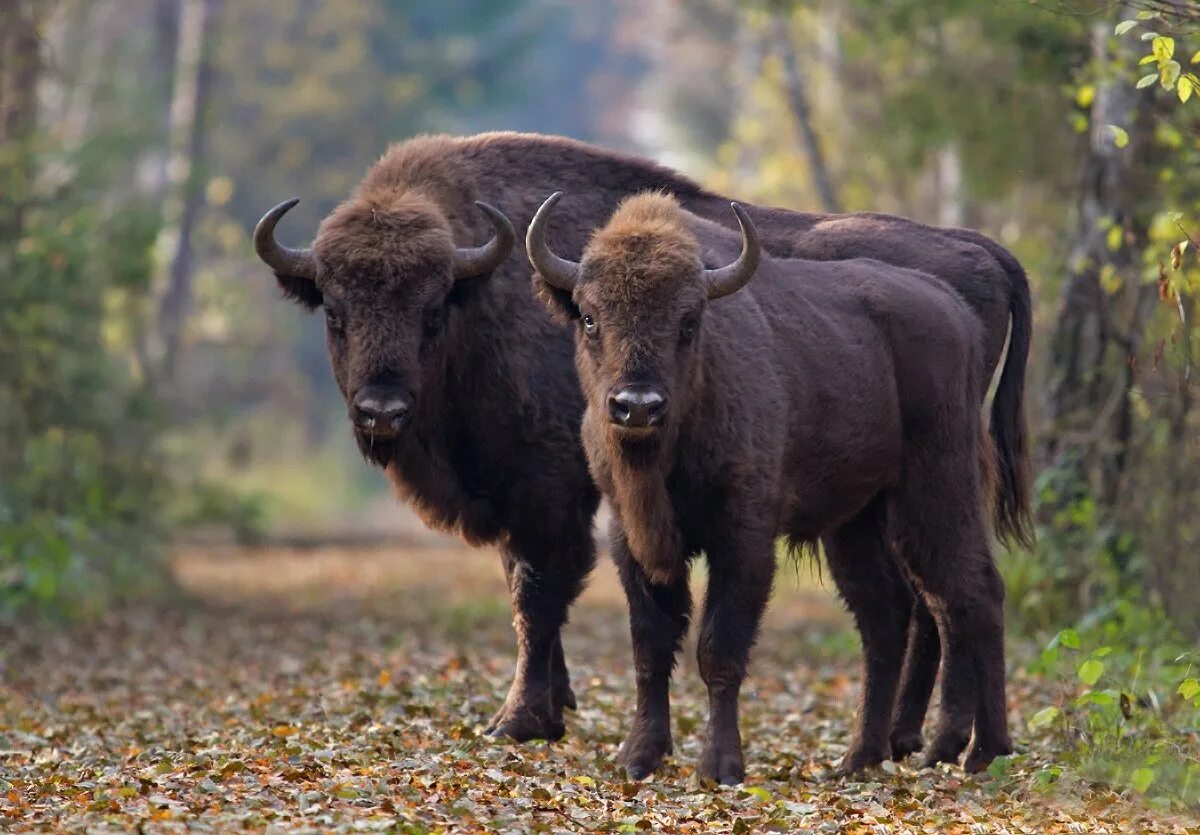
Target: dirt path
x,y
345,689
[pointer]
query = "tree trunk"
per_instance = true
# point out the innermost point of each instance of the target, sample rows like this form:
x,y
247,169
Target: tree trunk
x,y
186,152
1105,306
796,87
749,51
20,67
948,177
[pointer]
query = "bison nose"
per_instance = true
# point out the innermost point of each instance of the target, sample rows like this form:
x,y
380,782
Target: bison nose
x,y
637,406
379,410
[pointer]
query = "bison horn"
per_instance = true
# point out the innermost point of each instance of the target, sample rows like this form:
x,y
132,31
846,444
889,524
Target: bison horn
x,y
480,260
283,260
554,270
730,279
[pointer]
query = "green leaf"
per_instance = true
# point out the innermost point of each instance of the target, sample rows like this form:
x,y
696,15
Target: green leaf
x,y
1000,766
1043,717
1124,26
1069,638
1190,688
1141,779
1146,14
1147,80
1090,671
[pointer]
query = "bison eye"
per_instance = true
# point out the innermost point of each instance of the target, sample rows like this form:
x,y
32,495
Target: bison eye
x,y
687,332
589,325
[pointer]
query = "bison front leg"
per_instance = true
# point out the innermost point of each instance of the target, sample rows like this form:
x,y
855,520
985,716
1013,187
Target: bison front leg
x,y
740,577
658,620
543,582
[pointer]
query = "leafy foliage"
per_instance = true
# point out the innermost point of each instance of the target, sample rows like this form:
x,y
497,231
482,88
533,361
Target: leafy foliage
x,y
1128,711
81,478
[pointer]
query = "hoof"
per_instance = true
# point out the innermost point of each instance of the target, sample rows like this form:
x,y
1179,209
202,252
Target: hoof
x,y
947,748
859,758
905,744
725,768
979,757
643,751
521,724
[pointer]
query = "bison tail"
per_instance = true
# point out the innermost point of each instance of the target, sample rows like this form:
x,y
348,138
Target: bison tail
x,y
1012,516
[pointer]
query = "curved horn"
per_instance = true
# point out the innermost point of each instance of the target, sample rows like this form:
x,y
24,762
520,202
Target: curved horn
x,y
730,279
557,271
480,260
283,260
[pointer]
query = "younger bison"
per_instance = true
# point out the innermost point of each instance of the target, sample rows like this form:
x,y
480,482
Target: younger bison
x,y
834,401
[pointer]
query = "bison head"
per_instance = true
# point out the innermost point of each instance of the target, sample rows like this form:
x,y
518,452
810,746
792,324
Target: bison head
x,y
384,270
639,297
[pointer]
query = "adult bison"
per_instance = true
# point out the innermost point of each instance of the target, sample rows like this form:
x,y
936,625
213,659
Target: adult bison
x,y
462,387
836,401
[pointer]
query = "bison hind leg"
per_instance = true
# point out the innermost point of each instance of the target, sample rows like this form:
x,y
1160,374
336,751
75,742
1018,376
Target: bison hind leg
x,y
936,520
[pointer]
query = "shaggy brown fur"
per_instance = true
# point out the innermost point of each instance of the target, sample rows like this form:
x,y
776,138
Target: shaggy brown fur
x,y
490,448
827,400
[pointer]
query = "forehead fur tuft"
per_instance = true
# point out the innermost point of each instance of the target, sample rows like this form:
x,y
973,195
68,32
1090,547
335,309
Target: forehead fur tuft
x,y
382,237
396,224
647,244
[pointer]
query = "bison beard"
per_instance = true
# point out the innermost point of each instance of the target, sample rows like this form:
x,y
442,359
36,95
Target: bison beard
x,y
631,473
495,453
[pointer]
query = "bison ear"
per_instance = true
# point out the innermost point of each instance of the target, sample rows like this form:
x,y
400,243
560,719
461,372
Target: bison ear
x,y
302,291
558,301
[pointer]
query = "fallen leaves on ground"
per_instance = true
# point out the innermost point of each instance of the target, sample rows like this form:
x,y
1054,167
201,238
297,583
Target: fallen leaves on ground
x,y
348,690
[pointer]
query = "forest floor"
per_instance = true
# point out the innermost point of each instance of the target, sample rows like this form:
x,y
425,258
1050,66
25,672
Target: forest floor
x,y
346,689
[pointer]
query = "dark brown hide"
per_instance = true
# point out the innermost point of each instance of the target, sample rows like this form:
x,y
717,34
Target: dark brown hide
x,y
835,401
490,447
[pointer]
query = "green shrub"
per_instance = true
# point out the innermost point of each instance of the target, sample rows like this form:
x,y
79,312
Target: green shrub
x,y
1129,713
81,476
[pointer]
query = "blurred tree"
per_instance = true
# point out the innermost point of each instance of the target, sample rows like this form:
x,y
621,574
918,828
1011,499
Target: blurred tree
x,y
186,151
81,476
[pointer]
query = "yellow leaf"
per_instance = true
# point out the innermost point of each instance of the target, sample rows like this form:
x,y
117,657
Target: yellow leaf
x,y
1163,48
1186,86
385,678
1085,95
285,730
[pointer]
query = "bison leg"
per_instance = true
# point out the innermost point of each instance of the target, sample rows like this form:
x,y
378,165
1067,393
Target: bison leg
x,y
916,684
543,581
740,574
880,599
937,521
991,706
658,620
